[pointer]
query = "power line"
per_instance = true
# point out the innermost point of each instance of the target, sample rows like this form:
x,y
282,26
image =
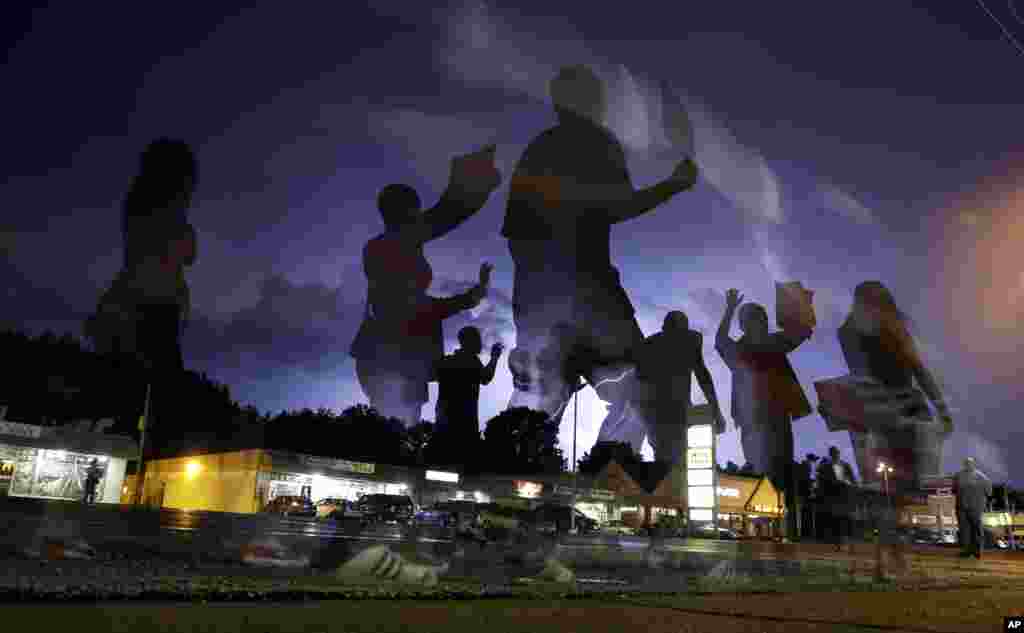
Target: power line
x,y
1005,30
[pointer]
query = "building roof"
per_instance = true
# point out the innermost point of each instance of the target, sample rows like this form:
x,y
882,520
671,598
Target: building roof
x,y
648,474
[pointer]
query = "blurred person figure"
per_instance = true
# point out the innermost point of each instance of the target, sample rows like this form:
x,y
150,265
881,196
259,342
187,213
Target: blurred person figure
x,y
665,363
972,489
459,378
837,486
401,337
92,480
766,395
569,188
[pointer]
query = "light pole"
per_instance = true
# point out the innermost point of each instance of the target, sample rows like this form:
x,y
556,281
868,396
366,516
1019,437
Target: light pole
x,y
885,469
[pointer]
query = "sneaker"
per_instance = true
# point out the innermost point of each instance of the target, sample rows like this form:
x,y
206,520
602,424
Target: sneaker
x,y
554,571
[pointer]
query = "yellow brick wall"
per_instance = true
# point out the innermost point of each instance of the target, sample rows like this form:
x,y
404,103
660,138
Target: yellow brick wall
x,y
221,482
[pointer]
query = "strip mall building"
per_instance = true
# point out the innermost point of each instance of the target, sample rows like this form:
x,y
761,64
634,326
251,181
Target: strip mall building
x,y
244,481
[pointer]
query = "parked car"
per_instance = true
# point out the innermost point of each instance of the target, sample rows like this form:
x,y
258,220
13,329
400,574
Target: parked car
x,y
291,505
710,531
386,508
619,528
557,518
493,515
332,508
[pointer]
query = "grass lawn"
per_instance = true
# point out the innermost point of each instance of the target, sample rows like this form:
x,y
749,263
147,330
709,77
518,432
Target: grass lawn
x,y
973,611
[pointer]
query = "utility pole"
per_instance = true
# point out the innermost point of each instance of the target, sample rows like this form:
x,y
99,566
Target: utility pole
x,y
140,471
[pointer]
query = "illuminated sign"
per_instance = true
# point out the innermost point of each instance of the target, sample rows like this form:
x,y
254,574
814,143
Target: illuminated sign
x,y
528,489
702,477
698,458
340,464
439,475
728,492
6,469
699,514
699,436
701,497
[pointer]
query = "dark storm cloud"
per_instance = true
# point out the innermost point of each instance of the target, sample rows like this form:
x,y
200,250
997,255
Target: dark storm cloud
x,y
292,327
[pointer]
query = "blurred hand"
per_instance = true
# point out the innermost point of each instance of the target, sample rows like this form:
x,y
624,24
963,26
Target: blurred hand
x,y
685,174
485,275
733,298
497,349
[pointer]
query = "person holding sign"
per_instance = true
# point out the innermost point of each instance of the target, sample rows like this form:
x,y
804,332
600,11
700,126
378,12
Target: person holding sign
x,y
401,337
766,395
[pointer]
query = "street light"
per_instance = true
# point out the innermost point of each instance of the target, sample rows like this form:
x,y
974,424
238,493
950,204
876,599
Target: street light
x,y
885,469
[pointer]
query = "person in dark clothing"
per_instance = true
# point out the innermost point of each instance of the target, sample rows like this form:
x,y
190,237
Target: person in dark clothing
x,y
972,489
459,378
142,315
401,337
92,480
837,485
766,395
665,363
570,187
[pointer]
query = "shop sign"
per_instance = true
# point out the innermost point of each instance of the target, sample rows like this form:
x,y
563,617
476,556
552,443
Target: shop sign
x,y
20,430
339,464
528,489
6,469
438,475
290,478
698,458
926,519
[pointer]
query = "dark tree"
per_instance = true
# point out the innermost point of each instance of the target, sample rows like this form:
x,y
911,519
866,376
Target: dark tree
x,y
521,440
603,452
417,442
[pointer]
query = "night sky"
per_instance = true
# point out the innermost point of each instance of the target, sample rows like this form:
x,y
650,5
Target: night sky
x,y
839,142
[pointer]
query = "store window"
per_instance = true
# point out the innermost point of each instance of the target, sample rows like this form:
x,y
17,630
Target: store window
x,y
54,474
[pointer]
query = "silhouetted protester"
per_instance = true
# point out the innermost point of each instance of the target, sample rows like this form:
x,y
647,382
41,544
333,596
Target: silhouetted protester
x,y
972,489
837,486
570,187
92,480
459,378
665,363
766,395
142,314
401,338
887,416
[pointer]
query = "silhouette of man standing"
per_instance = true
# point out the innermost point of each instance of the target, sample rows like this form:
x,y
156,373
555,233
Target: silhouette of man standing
x,y
570,187
665,364
766,395
972,489
459,378
838,486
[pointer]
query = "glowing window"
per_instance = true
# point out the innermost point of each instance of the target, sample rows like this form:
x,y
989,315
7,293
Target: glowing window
x,y
699,436
699,477
701,497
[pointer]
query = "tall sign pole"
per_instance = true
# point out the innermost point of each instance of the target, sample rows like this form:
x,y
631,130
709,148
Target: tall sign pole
x,y
700,474
140,472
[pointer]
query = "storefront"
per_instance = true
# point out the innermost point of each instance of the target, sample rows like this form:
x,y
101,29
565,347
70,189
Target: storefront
x,y
53,462
245,481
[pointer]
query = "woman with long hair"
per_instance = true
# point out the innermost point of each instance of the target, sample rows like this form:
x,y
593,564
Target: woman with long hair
x,y
401,337
879,349
141,315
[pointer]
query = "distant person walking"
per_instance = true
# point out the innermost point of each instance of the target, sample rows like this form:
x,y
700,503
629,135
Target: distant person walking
x,y
459,378
92,480
401,337
766,395
972,489
837,485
